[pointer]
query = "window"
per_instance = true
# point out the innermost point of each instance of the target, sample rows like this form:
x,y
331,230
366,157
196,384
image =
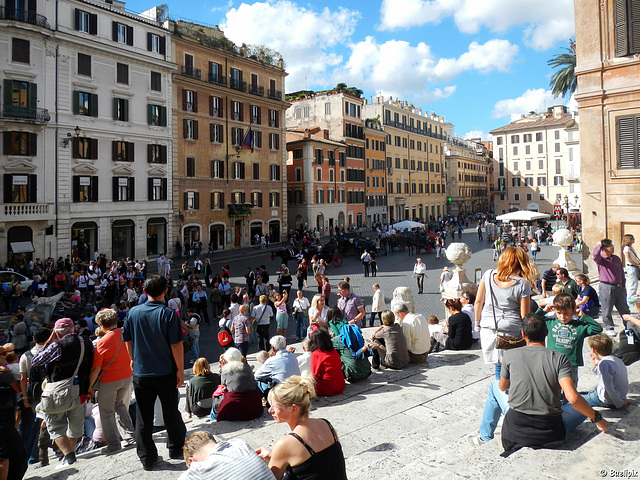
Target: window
x,y
86,22
156,43
189,101
123,189
238,197
275,172
236,79
526,137
122,33
558,180
556,147
255,114
515,150
85,103
157,115
237,111
319,174
515,166
558,166
215,107
216,133
122,151
237,135
257,139
20,51
556,135
122,73
256,199
256,171
515,138
320,195
305,111
191,167
541,148
121,109
541,197
274,141
627,34
156,153
528,181
85,148
84,64
499,140
156,81
20,188
217,169
216,75
217,200
327,108
515,182
540,164
273,118
274,199
157,189
527,149
539,137
85,189
298,174
628,136
516,196
191,200
238,170
20,143
343,159
190,129
527,165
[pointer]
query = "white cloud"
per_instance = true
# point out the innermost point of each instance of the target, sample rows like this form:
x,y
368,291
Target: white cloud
x,y
537,100
545,21
303,36
398,68
475,134
222,7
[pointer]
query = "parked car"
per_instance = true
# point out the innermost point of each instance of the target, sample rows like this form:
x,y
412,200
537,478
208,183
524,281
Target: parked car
x,y
25,283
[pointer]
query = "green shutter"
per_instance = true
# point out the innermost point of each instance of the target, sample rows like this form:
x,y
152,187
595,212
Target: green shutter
x,y
148,114
620,27
76,103
32,101
8,93
93,105
163,116
115,109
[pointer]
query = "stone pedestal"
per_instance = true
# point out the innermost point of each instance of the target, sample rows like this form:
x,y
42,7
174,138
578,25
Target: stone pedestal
x,y
458,254
563,238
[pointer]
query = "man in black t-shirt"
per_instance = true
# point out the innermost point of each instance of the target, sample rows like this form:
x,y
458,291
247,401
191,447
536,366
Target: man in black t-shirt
x,y
549,279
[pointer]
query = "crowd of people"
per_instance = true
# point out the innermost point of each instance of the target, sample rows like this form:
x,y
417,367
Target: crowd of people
x,y
141,343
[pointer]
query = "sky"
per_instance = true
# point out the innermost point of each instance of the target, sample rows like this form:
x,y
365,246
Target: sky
x,y
480,63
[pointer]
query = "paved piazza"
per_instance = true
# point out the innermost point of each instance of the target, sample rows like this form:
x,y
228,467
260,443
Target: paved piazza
x,y
407,424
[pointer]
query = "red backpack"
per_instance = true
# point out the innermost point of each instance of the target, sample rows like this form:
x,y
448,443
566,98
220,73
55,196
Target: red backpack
x,y
224,336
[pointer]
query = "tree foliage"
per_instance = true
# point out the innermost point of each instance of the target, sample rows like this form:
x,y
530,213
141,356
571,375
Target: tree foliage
x,y
563,82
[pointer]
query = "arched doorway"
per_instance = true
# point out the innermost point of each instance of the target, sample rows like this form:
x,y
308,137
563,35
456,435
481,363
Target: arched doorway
x,y
156,237
216,236
274,231
190,234
255,228
299,222
123,239
320,223
340,219
84,240
20,245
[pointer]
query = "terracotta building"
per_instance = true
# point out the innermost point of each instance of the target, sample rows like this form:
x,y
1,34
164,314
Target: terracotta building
x,y
376,172
467,165
229,183
608,69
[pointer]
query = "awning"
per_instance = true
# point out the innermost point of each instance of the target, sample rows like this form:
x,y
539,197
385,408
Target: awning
x,y
22,247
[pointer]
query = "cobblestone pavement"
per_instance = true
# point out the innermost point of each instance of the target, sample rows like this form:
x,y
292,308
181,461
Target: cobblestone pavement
x,y
412,423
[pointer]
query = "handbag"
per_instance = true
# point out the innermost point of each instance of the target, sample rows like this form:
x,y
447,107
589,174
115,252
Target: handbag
x,y
503,342
96,384
58,397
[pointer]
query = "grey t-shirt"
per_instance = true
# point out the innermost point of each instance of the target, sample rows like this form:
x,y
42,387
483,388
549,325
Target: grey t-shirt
x,y
506,302
534,373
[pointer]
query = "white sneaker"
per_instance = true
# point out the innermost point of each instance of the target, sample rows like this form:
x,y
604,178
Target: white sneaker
x,y
475,440
611,332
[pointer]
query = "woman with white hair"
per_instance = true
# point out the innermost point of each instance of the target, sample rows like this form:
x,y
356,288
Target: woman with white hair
x,y
238,397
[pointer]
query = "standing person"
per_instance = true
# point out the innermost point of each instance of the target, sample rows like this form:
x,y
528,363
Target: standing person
x,y
533,246
112,362
207,272
632,270
378,304
365,258
419,271
241,329
154,341
326,289
200,300
216,300
225,292
250,279
612,291
301,313
479,231
350,305
373,265
262,314
66,355
192,327
282,316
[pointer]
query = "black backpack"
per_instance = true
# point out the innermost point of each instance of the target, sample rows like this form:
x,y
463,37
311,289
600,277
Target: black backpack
x,y
34,386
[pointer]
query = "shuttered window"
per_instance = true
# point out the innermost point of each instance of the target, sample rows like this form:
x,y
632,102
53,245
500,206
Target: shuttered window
x,y
626,17
628,129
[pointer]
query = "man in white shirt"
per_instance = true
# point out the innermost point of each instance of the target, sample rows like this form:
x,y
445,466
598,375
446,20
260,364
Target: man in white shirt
x,y
378,305
366,260
416,330
419,271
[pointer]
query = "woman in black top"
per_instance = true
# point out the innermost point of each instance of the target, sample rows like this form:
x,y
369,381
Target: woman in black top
x,y
200,388
312,450
457,334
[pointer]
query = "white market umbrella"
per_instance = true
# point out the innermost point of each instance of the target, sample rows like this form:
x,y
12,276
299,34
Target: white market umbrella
x,y
522,216
409,224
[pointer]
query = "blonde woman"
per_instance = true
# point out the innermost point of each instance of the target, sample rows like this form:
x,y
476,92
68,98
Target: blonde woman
x,y
503,298
312,448
632,269
318,313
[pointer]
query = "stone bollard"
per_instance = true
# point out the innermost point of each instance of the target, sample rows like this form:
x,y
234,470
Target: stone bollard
x,y
563,238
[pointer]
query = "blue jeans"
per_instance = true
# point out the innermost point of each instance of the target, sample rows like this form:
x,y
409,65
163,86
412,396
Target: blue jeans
x,y
195,350
593,399
243,347
497,405
301,324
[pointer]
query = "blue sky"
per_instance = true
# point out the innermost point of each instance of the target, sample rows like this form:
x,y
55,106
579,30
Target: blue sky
x,y
477,62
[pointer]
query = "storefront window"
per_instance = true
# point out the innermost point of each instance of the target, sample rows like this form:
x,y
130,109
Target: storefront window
x,y
84,236
123,239
156,236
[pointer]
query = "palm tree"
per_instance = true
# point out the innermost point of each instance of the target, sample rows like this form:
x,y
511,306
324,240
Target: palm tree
x,y
564,81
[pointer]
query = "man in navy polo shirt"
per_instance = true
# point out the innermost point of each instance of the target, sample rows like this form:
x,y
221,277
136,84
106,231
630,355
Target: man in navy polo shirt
x,y
154,341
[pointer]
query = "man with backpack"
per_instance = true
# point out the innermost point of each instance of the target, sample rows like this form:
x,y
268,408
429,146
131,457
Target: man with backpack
x,y
262,314
415,328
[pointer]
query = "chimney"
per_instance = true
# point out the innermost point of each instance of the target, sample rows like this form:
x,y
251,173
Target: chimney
x,y
307,133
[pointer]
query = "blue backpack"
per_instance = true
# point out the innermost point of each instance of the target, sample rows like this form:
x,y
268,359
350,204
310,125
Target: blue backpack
x,y
351,337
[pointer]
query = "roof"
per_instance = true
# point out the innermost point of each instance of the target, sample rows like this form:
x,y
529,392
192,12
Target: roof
x,y
536,123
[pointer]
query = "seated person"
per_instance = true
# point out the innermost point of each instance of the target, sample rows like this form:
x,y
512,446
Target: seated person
x,y
389,344
241,399
434,325
457,334
543,302
326,366
587,300
416,331
282,364
232,458
200,388
613,382
468,299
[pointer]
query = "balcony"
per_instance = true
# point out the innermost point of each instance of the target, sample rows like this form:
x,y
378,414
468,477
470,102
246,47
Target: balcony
x,y
190,71
217,79
24,16
39,115
239,210
274,94
238,85
27,212
256,90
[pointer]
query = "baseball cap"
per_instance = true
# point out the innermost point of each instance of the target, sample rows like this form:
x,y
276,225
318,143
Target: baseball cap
x,y
64,324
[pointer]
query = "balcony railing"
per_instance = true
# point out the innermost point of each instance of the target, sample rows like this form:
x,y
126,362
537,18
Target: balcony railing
x,y
28,209
217,79
274,94
256,90
189,71
24,16
238,85
25,113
